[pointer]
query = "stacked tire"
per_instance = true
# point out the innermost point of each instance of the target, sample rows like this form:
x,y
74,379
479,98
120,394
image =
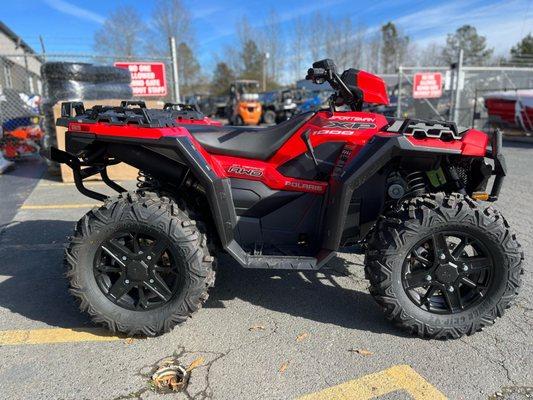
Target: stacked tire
x,y
81,81
68,81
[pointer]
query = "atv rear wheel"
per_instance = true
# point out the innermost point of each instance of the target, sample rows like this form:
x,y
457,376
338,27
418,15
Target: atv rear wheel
x,y
443,266
139,265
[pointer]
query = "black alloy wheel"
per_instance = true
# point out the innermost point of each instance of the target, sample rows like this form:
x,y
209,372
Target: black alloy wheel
x,y
443,265
448,272
136,270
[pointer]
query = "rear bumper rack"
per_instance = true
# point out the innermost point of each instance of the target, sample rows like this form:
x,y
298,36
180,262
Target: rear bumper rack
x,y
63,157
500,167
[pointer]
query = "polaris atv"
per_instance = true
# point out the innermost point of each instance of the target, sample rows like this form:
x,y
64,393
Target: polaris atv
x,y
440,261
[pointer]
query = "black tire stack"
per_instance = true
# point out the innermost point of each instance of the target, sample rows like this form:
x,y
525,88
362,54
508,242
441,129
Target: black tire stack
x,y
68,81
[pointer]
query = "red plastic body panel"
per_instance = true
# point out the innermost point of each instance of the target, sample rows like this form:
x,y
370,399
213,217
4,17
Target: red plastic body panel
x,y
353,128
356,128
373,87
204,121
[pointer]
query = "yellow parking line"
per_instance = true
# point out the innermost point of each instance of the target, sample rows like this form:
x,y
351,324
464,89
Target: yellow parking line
x,y
399,377
55,206
55,335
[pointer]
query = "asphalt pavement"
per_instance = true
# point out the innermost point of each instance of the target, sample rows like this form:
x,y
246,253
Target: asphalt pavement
x,y
261,335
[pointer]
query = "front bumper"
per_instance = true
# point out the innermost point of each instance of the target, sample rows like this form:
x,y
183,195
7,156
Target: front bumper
x,y
500,167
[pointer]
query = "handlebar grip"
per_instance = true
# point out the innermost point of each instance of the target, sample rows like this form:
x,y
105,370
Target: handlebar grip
x,y
316,73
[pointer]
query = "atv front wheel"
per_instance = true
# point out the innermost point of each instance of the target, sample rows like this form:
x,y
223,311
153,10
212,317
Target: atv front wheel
x,y
443,266
139,265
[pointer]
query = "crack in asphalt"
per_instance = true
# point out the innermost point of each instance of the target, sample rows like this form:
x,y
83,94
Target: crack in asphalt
x,y
207,392
491,359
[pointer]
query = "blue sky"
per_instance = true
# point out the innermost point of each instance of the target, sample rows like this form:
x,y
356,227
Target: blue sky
x,y
68,25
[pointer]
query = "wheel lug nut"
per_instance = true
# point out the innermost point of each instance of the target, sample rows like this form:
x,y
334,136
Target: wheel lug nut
x,y
428,278
442,256
124,258
451,289
149,257
465,268
126,281
151,281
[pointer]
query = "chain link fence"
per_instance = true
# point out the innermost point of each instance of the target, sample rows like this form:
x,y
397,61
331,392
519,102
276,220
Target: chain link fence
x,y
463,96
22,86
28,94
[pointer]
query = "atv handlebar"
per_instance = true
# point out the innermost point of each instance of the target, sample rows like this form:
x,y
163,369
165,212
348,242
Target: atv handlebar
x,y
325,70
317,75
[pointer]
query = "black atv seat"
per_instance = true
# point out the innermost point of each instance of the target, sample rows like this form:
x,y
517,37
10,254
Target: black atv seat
x,y
244,141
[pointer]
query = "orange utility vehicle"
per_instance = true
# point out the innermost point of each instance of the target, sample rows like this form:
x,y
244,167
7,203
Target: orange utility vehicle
x,y
243,106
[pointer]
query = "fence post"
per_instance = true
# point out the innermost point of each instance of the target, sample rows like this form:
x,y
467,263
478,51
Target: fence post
x,y
399,97
175,76
456,105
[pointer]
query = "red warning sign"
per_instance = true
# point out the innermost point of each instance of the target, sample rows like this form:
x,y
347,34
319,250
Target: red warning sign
x,y
147,78
427,85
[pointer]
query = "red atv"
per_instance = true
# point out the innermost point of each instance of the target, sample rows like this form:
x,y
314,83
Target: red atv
x,y
440,262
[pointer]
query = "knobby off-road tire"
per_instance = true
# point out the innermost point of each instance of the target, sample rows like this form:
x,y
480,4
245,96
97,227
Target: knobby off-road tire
x,y
160,217
398,231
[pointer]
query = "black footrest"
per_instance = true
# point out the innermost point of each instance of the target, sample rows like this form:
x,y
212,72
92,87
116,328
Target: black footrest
x,y
282,262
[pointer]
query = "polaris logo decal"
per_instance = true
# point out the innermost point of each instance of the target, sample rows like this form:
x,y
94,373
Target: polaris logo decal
x,y
334,132
248,171
304,186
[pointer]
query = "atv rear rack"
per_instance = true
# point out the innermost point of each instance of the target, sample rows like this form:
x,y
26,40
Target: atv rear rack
x,y
130,112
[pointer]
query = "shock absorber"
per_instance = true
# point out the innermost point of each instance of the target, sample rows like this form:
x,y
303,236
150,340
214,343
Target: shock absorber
x,y
416,182
145,181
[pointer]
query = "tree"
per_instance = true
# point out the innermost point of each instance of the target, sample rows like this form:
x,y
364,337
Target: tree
x,y
475,51
121,34
222,79
340,49
252,61
355,59
316,37
272,44
431,55
393,49
373,53
169,18
297,49
188,69
522,52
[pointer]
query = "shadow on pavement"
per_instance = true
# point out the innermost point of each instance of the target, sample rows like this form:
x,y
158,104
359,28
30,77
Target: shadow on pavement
x,y
31,259
317,297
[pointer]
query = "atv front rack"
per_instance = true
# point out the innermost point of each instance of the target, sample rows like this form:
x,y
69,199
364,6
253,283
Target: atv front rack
x,y
421,129
129,112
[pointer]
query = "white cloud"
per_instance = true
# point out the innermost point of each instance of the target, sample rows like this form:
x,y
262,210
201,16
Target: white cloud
x,y
503,23
76,11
